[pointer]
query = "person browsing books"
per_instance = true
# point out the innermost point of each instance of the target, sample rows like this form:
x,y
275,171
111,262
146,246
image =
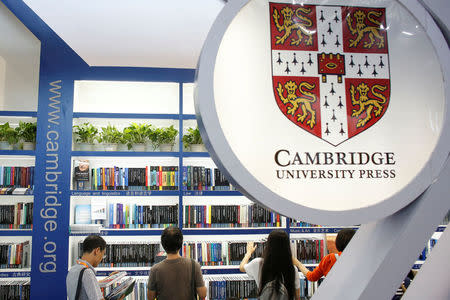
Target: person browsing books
x,y
175,277
81,282
343,238
274,269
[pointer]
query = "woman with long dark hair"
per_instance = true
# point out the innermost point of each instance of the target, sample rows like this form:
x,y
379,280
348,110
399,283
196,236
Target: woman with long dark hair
x,y
275,267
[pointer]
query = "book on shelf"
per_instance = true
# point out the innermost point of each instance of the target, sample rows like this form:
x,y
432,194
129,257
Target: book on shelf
x,y
221,288
298,223
219,253
160,178
123,254
111,279
15,255
123,289
199,178
83,214
116,215
230,216
139,292
12,190
16,216
309,251
16,289
81,174
16,177
98,211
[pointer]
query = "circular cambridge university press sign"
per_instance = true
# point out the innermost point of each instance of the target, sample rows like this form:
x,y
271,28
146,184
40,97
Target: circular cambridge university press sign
x,y
332,112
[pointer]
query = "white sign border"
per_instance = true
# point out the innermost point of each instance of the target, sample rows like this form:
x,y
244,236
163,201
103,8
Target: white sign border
x,y
226,160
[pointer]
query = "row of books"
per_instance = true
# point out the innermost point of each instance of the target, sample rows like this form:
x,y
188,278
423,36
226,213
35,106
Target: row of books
x,y
219,289
224,288
308,288
128,216
201,216
15,290
17,216
14,256
298,223
148,178
309,251
197,178
116,285
118,178
217,254
206,253
14,190
17,176
140,290
128,254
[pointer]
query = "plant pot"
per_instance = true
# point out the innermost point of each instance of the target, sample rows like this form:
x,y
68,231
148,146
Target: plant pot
x,y
85,146
28,146
98,147
110,147
4,145
198,148
139,147
165,147
149,147
122,147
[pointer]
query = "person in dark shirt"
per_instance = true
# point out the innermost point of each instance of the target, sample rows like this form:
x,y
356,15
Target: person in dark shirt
x,y
172,278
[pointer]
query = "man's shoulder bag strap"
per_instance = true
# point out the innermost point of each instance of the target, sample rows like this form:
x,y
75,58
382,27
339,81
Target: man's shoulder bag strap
x,y
80,279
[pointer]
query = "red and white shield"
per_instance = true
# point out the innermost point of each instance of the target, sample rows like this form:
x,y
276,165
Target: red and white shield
x,y
330,67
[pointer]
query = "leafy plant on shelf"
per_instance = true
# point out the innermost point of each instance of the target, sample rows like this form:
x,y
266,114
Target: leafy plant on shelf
x,y
8,134
153,135
110,135
192,137
166,135
125,139
27,131
137,133
86,133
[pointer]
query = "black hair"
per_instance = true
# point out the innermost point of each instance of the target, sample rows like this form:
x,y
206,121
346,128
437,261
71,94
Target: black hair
x,y
277,263
343,238
93,242
172,239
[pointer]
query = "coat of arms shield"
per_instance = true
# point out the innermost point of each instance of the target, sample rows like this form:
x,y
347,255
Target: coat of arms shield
x,y
330,67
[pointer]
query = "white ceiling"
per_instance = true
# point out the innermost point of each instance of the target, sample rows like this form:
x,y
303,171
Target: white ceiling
x,y
137,33
143,33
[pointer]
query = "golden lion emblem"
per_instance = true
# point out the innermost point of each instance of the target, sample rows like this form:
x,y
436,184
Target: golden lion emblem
x,y
361,29
290,26
365,104
294,102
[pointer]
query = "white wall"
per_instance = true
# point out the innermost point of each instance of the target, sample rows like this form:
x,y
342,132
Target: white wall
x,y
19,64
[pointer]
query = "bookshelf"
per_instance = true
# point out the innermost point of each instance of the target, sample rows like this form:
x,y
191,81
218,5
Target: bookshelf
x,y
13,231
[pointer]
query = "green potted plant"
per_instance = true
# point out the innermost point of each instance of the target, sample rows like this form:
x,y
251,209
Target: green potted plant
x,y
166,138
152,138
85,134
193,140
8,137
124,141
110,137
137,134
26,132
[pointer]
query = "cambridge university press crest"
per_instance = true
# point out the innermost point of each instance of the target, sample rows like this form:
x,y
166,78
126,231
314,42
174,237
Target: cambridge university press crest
x,y
330,67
